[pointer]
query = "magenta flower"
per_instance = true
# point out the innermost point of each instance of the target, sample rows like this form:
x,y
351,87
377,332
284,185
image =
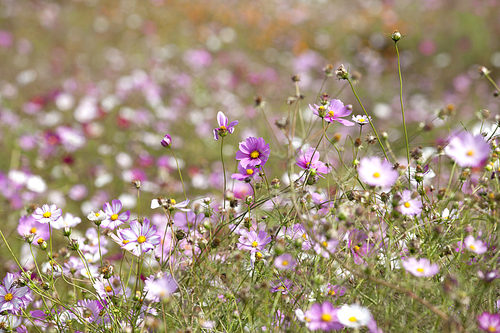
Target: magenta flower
x,y
254,242
489,322
140,238
468,150
333,111
223,128
47,214
376,172
475,245
244,173
408,205
253,152
322,317
310,161
284,261
113,216
334,290
13,298
163,287
282,286
421,267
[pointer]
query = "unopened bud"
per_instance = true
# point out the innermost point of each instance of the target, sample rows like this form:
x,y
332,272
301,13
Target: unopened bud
x,y
396,36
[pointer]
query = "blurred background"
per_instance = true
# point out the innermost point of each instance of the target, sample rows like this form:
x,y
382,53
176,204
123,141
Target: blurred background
x,y
89,88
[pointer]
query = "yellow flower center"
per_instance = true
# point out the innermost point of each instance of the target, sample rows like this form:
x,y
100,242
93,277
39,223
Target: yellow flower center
x,y
40,241
285,263
249,172
420,270
33,230
470,153
331,114
325,244
332,292
308,163
254,154
376,174
97,214
321,108
356,248
361,120
353,319
47,215
125,241
307,319
304,236
258,255
407,205
8,297
114,217
223,127
108,289
141,239
492,329
326,317
255,244
173,202
472,247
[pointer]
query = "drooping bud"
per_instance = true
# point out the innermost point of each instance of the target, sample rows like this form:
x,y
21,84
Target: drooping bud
x,y
167,141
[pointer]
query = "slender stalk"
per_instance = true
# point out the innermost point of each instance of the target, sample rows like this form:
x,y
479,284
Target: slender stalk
x,y
180,174
371,123
403,114
224,173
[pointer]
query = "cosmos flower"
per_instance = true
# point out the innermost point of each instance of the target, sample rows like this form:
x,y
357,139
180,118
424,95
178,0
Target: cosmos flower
x,y
468,150
284,261
223,128
322,317
420,267
162,288
29,226
68,221
254,242
47,214
376,172
309,160
244,173
361,120
475,245
333,111
354,316
140,238
13,298
408,205
253,152
489,322
113,216
283,286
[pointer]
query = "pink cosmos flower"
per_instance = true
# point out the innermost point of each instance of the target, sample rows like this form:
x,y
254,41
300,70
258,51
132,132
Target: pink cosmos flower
x,y
245,174
140,238
113,216
333,111
475,245
376,172
12,297
420,267
408,205
29,226
489,322
253,152
322,317
223,128
162,288
468,150
284,261
47,214
254,242
310,161
283,286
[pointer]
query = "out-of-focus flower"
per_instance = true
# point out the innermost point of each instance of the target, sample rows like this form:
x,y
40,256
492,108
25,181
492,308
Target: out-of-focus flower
x,y
354,316
408,205
223,128
163,287
47,214
284,261
322,317
468,150
489,322
420,267
282,286
475,245
167,141
253,152
376,172
29,226
13,298
68,221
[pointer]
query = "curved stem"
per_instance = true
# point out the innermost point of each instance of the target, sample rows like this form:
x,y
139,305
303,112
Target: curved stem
x,y
180,174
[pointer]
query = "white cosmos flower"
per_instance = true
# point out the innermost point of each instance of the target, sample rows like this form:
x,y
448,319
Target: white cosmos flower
x,y
354,316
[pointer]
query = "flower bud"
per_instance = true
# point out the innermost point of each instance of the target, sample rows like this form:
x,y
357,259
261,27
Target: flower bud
x,y
341,73
43,244
66,231
396,36
167,141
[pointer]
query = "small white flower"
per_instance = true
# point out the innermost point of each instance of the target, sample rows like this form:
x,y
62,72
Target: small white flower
x,y
99,216
354,316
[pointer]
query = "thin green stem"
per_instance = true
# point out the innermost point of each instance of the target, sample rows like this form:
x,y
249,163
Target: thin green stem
x,y
224,173
403,113
180,174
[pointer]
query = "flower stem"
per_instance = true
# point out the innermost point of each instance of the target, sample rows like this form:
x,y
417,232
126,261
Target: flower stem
x,y
180,174
223,172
